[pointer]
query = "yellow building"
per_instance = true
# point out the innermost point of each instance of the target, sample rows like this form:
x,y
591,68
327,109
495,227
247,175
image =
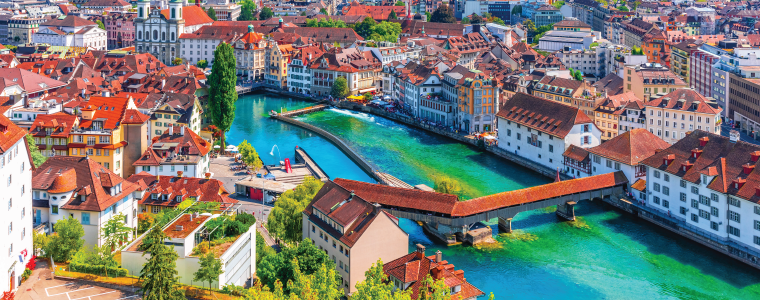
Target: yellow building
x,y
104,130
277,60
478,102
648,80
569,92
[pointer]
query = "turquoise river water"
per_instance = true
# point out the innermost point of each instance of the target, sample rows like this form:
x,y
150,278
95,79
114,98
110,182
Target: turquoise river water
x,y
606,254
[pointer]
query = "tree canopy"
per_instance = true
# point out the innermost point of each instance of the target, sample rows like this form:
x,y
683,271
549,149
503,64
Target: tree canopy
x,y
222,93
517,10
265,13
623,8
339,88
326,22
159,273
210,269
100,24
211,13
476,19
250,156
576,74
447,185
364,29
285,219
558,4
66,240
400,3
385,32
393,15
444,14
376,286
202,64
37,157
246,10
282,266
465,20
116,231
636,50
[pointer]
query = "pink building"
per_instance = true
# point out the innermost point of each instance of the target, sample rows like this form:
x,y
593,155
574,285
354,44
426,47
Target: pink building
x,y
120,27
700,77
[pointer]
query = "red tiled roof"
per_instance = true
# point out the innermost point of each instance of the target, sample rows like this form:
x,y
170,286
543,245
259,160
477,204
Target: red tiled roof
x,y
110,109
205,190
133,116
193,15
548,116
30,82
88,182
694,101
10,134
576,153
414,267
69,21
188,226
639,185
62,123
631,147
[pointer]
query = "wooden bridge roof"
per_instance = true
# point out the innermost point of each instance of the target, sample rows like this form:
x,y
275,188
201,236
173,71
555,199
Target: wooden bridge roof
x,y
449,205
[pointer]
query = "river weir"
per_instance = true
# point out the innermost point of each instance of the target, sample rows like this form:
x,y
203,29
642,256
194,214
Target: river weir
x,y
604,254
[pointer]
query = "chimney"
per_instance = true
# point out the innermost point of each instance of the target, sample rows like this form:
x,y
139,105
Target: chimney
x,y
179,228
438,256
755,155
695,153
182,130
309,56
208,175
179,174
421,249
82,93
163,83
191,217
703,141
747,168
668,159
171,130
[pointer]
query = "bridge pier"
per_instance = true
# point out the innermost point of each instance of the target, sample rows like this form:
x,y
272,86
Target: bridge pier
x,y
566,211
505,225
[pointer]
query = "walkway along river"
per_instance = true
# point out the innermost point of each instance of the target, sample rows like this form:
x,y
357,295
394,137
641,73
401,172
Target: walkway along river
x,y
604,255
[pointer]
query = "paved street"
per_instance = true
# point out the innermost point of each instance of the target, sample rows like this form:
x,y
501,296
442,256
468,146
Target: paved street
x,y
41,286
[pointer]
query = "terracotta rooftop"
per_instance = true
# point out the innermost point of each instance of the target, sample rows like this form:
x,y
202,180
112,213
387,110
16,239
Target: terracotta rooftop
x,y
205,190
685,100
10,134
188,224
193,15
547,116
631,147
414,267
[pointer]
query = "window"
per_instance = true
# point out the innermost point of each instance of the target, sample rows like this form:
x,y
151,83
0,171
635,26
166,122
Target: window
x,y
665,190
734,216
665,203
656,200
682,210
683,197
656,187
617,166
666,177
704,200
609,164
757,225
656,174
704,214
757,210
85,218
733,231
714,226
694,218
714,211
714,197
54,209
695,190
734,202
694,203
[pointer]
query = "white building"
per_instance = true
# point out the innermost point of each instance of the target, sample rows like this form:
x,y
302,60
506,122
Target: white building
x,y
178,149
80,188
200,45
541,130
16,175
238,260
708,184
727,64
299,73
158,32
675,114
71,31
250,51
554,40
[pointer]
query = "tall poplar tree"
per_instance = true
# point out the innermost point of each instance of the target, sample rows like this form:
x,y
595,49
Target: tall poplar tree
x,y
222,94
159,274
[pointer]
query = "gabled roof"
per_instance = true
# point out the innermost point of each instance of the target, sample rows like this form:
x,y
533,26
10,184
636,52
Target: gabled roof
x,y
69,21
92,182
61,124
109,109
30,82
415,267
544,115
205,190
10,134
631,147
686,100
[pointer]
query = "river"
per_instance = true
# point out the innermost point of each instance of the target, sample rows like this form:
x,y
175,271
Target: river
x,y
604,255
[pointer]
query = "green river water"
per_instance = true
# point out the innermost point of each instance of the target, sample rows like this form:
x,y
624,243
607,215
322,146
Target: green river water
x,y
606,254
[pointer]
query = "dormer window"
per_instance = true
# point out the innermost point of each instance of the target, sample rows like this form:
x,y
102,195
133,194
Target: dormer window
x,y
153,196
178,199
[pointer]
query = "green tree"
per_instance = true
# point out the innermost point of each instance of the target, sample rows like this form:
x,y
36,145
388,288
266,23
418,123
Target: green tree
x,y
386,31
428,16
364,29
636,5
222,93
247,10
443,14
245,15
66,240
202,64
324,11
211,13
265,13
497,20
400,3
323,284
159,273
177,61
115,231
476,19
12,48
100,24
282,266
623,8
393,15
285,221
636,50
558,4
39,242
577,75
262,248
376,286
303,13
529,26
517,10
37,157
434,289
367,96
447,185
250,156
340,88
209,270
465,20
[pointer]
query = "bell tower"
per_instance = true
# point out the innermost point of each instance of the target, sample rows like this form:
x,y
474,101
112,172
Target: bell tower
x,y
143,9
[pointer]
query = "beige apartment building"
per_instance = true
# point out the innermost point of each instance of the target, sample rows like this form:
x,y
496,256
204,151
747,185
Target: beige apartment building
x,y
352,231
648,80
672,116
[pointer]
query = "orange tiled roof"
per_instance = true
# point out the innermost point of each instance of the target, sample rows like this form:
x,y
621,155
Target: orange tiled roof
x,y
9,134
193,15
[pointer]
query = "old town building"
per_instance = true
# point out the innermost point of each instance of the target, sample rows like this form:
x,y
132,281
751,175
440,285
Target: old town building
x,y
681,111
158,31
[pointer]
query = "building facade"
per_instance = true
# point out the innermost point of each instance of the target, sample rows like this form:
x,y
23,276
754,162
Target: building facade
x,y
679,112
158,31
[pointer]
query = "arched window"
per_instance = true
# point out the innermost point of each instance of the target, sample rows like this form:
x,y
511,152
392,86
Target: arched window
x,y
180,13
141,12
155,35
139,35
163,36
172,36
174,13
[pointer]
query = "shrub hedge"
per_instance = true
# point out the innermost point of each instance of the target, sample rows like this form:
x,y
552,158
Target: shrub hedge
x,y
98,270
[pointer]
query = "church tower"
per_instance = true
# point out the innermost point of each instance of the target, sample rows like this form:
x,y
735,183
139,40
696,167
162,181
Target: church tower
x,y
143,9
